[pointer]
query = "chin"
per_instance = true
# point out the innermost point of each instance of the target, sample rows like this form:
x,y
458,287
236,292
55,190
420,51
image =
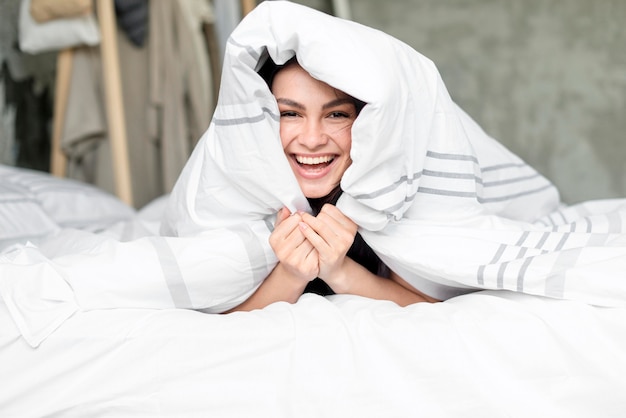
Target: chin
x,y
316,193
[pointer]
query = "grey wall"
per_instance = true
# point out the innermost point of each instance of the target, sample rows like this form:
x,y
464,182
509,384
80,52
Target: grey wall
x,y
547,78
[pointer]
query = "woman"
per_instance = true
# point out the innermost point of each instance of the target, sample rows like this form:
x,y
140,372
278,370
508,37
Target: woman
x,y
315,131
443,205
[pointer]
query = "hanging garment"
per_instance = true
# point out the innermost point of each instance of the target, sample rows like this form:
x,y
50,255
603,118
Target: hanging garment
x,y
45,10
168,99
181,92
85,133
132,17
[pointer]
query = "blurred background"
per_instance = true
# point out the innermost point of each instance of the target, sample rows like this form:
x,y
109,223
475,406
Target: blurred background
x,y
547,78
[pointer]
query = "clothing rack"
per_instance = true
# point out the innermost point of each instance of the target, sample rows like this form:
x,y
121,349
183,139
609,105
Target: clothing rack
x,y
114,104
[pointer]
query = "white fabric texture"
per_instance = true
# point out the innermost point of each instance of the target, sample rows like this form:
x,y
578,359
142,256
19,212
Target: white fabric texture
x,y
34,204
443,204
487,354
69,203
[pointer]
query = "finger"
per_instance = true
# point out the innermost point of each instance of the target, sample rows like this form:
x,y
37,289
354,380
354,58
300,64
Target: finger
x,y
286,224
304,259
313,237
303,250
335,213
329,228
283,234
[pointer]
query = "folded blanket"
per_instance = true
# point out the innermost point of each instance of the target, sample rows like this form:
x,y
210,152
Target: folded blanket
x,y
444,205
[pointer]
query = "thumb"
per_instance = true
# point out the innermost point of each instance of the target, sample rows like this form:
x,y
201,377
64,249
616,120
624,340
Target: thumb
x,y
282,215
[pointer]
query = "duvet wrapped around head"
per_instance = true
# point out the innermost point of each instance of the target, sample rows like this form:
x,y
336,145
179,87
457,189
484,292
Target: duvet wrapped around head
x,y
441,202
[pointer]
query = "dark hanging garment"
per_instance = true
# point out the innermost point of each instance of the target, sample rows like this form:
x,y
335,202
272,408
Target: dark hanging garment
x,y
132,18
33,112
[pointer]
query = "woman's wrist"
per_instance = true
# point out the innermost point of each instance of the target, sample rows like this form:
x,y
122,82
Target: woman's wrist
x,y
341,279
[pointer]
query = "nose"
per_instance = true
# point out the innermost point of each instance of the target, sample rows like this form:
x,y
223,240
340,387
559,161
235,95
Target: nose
x,y
313,134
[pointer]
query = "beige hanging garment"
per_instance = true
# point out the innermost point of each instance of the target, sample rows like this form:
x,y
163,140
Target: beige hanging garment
x,y
181,90
45,10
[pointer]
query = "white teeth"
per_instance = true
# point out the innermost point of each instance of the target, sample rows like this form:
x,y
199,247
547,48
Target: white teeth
x,y
314,160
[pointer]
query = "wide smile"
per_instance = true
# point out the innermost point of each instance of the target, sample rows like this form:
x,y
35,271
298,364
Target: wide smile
x,y
313,167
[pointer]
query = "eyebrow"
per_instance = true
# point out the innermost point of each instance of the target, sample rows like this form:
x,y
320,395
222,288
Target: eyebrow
x,y
333,103
289,102
337,102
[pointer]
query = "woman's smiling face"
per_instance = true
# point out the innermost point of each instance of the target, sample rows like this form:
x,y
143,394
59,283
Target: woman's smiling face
x,y
315,129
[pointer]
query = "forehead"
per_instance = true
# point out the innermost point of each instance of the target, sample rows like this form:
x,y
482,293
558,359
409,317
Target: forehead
x,y
293,79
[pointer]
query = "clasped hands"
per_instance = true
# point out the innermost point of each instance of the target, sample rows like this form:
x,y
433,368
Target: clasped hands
x,y
314,246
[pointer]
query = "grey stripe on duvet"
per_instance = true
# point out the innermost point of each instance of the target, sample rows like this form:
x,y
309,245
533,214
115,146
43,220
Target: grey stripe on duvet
x,y
509,181
500,279
450,175
393,186
514,196
562,242
542,241
495,259
246,119
615,222
442,192
254,249
555,282
426,190
171,271
504,166
478,180
451,193
522,238
456,157
522,273
597,240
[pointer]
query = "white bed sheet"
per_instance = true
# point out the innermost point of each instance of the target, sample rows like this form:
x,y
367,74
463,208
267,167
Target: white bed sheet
x,y
487,354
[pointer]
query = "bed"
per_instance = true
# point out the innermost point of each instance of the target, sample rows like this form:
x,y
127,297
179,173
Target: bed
x,y
110,311
488,353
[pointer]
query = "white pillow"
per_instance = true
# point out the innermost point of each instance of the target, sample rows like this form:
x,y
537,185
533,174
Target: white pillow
x,y
22,218
45,199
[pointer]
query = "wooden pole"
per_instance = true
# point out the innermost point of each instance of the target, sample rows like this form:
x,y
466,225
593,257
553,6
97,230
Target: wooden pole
x,y
247,6
341,8
114,101
58,159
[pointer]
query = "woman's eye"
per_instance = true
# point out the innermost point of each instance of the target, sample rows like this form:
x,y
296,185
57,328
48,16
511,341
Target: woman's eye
x,y
288,113
339,115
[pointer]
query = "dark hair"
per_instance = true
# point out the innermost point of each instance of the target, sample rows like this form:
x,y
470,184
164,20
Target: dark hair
x,y
269,69
360,252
